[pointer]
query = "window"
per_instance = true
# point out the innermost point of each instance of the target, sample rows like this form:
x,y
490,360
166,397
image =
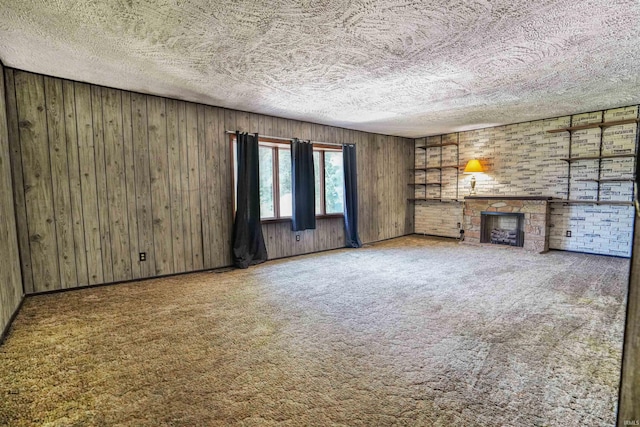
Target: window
x,y
276,196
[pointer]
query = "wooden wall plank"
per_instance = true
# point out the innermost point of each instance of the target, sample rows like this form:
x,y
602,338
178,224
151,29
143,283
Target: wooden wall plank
x,y
101,183
205,207
269,240
159,174
130,177
75,187
144,214
362,200
175,185
11,290
224,156
91,221
30,96
365,173
60,181
387,188
365,167
213,232
116,184
378,187
254,122
185,186
18,182
242,122
194,185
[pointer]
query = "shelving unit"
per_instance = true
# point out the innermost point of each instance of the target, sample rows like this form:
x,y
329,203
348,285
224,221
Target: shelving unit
x,y
599,180
426,168
431,199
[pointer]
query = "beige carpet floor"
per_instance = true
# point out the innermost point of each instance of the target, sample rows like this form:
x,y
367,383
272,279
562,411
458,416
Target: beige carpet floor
x,y
408,332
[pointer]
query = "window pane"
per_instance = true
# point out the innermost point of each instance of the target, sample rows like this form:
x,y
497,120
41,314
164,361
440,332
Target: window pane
x,y
266,182
333,176
284,178
316,173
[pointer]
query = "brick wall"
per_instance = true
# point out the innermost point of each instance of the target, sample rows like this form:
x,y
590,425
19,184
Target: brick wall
x,y
523,159
438,219
594,229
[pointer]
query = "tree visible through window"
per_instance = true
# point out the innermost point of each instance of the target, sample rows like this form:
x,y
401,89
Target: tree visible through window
x,y
266,182
333,182
284,181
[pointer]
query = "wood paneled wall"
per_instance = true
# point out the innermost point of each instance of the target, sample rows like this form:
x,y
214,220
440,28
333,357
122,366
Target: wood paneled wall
x,y
103,174
10,280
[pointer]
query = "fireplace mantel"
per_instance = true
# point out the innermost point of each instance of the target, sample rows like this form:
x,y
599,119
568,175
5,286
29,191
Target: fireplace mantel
x,y
534,208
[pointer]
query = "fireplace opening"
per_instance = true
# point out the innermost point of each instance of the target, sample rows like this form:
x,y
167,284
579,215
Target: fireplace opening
x,y
502,228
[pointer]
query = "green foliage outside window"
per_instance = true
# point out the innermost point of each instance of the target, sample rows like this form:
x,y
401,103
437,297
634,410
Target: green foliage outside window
x,y
266,182
284,178
334,182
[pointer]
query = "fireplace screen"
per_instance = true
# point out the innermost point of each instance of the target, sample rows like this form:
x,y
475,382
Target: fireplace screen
x,y
502,228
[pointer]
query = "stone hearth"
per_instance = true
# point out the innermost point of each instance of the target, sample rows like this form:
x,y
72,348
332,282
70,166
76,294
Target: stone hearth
x,y
536,218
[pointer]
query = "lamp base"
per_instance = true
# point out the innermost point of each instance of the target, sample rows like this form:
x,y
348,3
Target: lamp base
x,y
473,186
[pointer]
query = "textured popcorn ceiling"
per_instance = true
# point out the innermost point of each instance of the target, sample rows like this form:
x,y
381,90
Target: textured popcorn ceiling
x,y
406,68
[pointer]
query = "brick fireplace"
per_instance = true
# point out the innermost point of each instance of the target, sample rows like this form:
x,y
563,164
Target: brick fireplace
x,y
534,227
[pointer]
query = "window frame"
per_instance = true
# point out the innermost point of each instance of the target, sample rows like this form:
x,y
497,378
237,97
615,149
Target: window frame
x,y
275,145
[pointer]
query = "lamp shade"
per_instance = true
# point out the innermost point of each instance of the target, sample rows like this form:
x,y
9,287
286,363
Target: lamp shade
x,y
473,165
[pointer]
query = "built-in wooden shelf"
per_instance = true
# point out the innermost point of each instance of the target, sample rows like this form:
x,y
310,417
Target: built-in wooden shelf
x,y
591,202
508,197
444,144
439,167
433,199
607,156
607,180
425,183
594,125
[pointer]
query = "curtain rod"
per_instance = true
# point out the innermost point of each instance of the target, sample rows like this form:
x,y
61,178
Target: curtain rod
x,y
233,132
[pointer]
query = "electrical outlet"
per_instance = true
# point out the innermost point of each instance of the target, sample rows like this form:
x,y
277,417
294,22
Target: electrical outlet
x,y
143,256
297,237
568,233
458,225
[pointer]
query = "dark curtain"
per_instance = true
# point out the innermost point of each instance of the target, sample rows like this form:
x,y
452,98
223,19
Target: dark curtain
x,y
303,186
248,242
350,196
